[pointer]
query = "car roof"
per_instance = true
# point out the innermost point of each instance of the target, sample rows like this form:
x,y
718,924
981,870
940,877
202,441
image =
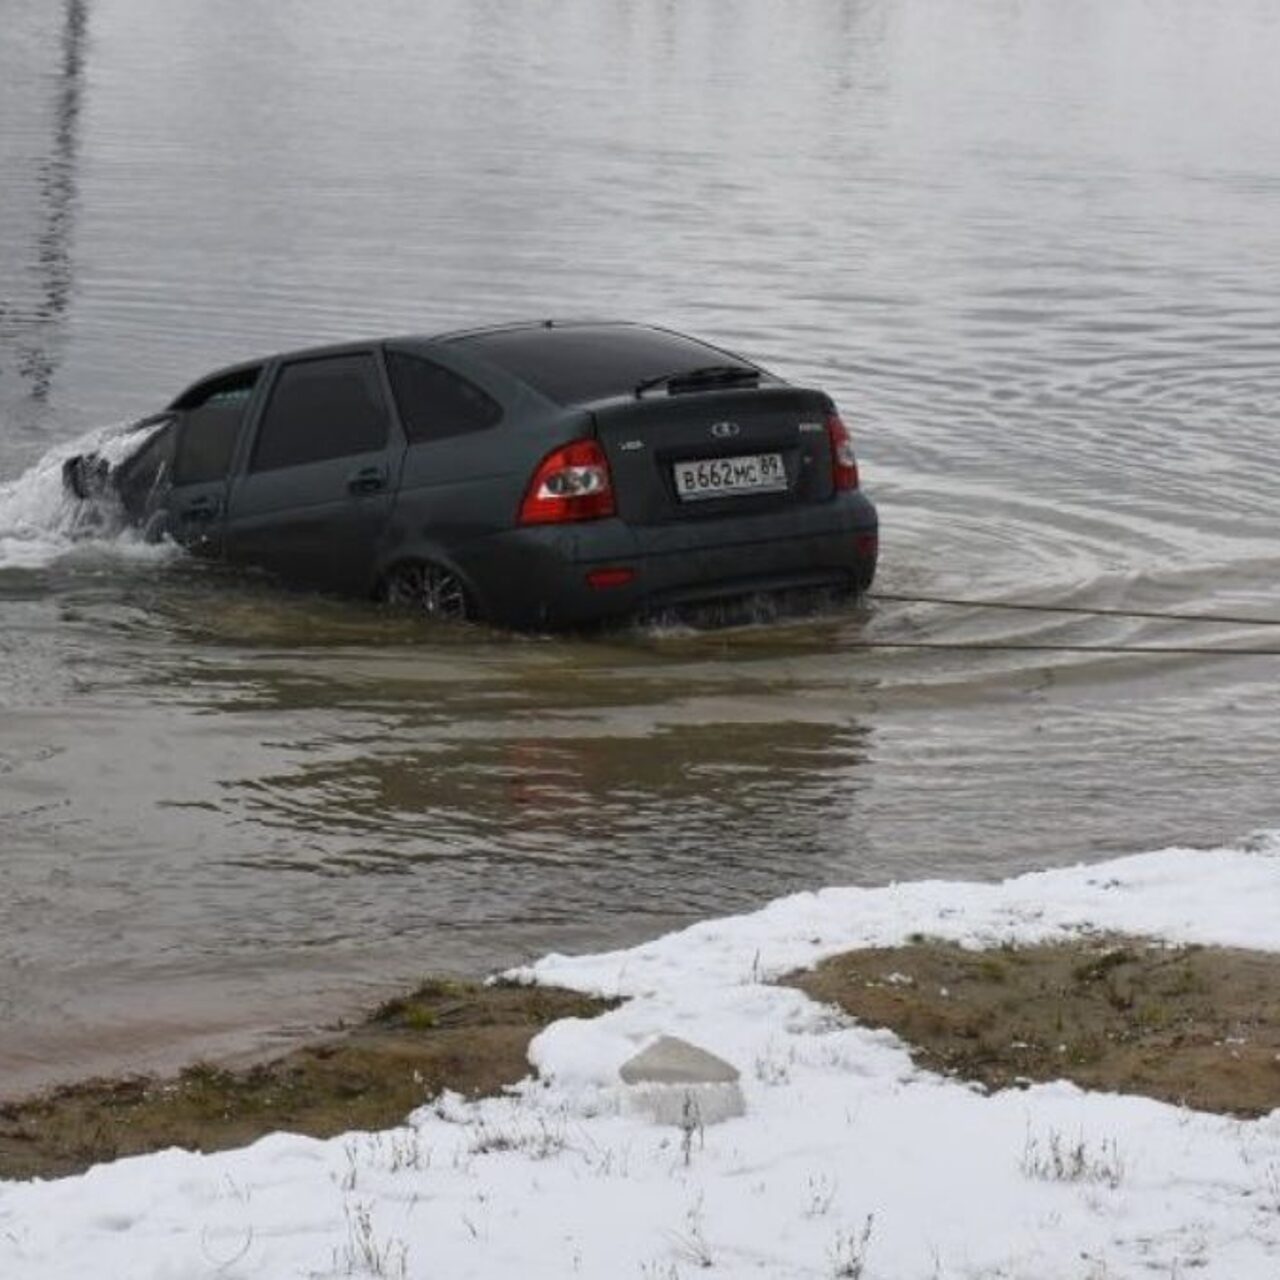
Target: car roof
x,y
421,341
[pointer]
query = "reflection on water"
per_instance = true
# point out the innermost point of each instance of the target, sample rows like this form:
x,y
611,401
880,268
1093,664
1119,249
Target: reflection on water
x,y
577,814
58,188
1030,248
31,322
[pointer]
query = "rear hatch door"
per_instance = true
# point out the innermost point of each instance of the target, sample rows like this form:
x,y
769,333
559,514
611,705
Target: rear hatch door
x,y
715,454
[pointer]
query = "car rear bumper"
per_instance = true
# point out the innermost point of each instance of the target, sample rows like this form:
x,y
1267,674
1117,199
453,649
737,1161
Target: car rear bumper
x,y
577,575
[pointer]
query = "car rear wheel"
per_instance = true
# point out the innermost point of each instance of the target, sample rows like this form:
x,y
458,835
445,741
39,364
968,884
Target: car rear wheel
x,y
427,589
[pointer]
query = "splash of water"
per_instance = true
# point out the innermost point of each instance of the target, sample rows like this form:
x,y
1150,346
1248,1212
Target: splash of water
x,y
42,523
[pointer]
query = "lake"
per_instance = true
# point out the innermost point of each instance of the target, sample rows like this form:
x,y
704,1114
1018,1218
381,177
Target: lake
x,y
1031,248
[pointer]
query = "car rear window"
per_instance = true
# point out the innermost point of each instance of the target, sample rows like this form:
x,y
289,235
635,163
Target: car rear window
x,y
575,364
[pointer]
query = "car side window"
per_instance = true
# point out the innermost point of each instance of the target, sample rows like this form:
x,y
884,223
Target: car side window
x,y
435,402
209,427
331,407
137,477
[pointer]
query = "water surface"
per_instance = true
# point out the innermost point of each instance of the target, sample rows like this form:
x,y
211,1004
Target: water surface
x,y
1032,249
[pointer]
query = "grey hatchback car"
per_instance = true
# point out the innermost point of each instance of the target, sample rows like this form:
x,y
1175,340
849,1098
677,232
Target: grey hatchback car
x,y
542,475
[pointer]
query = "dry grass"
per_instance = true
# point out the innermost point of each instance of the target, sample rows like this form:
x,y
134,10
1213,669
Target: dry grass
x,y
1196,1026
447,1035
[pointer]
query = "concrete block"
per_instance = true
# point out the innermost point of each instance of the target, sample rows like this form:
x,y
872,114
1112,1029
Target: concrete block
x,y
674,1082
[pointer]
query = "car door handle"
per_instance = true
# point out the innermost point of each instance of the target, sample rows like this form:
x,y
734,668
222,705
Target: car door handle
x,y
202,509
367,480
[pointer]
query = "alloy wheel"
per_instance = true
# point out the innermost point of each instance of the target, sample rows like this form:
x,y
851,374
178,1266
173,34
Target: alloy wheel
x,y
427,589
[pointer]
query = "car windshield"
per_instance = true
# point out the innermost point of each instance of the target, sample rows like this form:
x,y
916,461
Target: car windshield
x,y
576,364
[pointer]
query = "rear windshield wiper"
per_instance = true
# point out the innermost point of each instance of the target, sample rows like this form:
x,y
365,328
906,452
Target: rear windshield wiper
x,y
709,375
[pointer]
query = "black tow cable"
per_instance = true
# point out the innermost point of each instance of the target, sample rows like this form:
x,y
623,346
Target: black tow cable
x,y
1032,646
997,646
1083,610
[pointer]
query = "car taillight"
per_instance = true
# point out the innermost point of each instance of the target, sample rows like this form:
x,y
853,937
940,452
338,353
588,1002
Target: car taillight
x,y
571,483
844,467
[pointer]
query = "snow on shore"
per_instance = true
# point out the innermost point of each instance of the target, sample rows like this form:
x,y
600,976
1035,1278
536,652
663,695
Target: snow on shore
x,y
848,1162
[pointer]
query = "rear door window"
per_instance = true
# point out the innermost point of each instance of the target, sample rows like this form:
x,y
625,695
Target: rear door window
x,y
210,425
328,407
435,402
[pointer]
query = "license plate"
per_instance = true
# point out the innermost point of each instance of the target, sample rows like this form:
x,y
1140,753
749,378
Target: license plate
x,y
721,477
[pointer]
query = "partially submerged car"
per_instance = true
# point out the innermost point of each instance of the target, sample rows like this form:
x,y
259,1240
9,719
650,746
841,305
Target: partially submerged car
x,y
535,475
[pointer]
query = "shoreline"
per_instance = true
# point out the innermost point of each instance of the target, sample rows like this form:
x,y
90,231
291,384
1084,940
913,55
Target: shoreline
x,y
460,1035
1193,1025
827,1138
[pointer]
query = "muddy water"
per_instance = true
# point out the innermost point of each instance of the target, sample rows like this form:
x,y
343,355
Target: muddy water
x,y
1032,249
